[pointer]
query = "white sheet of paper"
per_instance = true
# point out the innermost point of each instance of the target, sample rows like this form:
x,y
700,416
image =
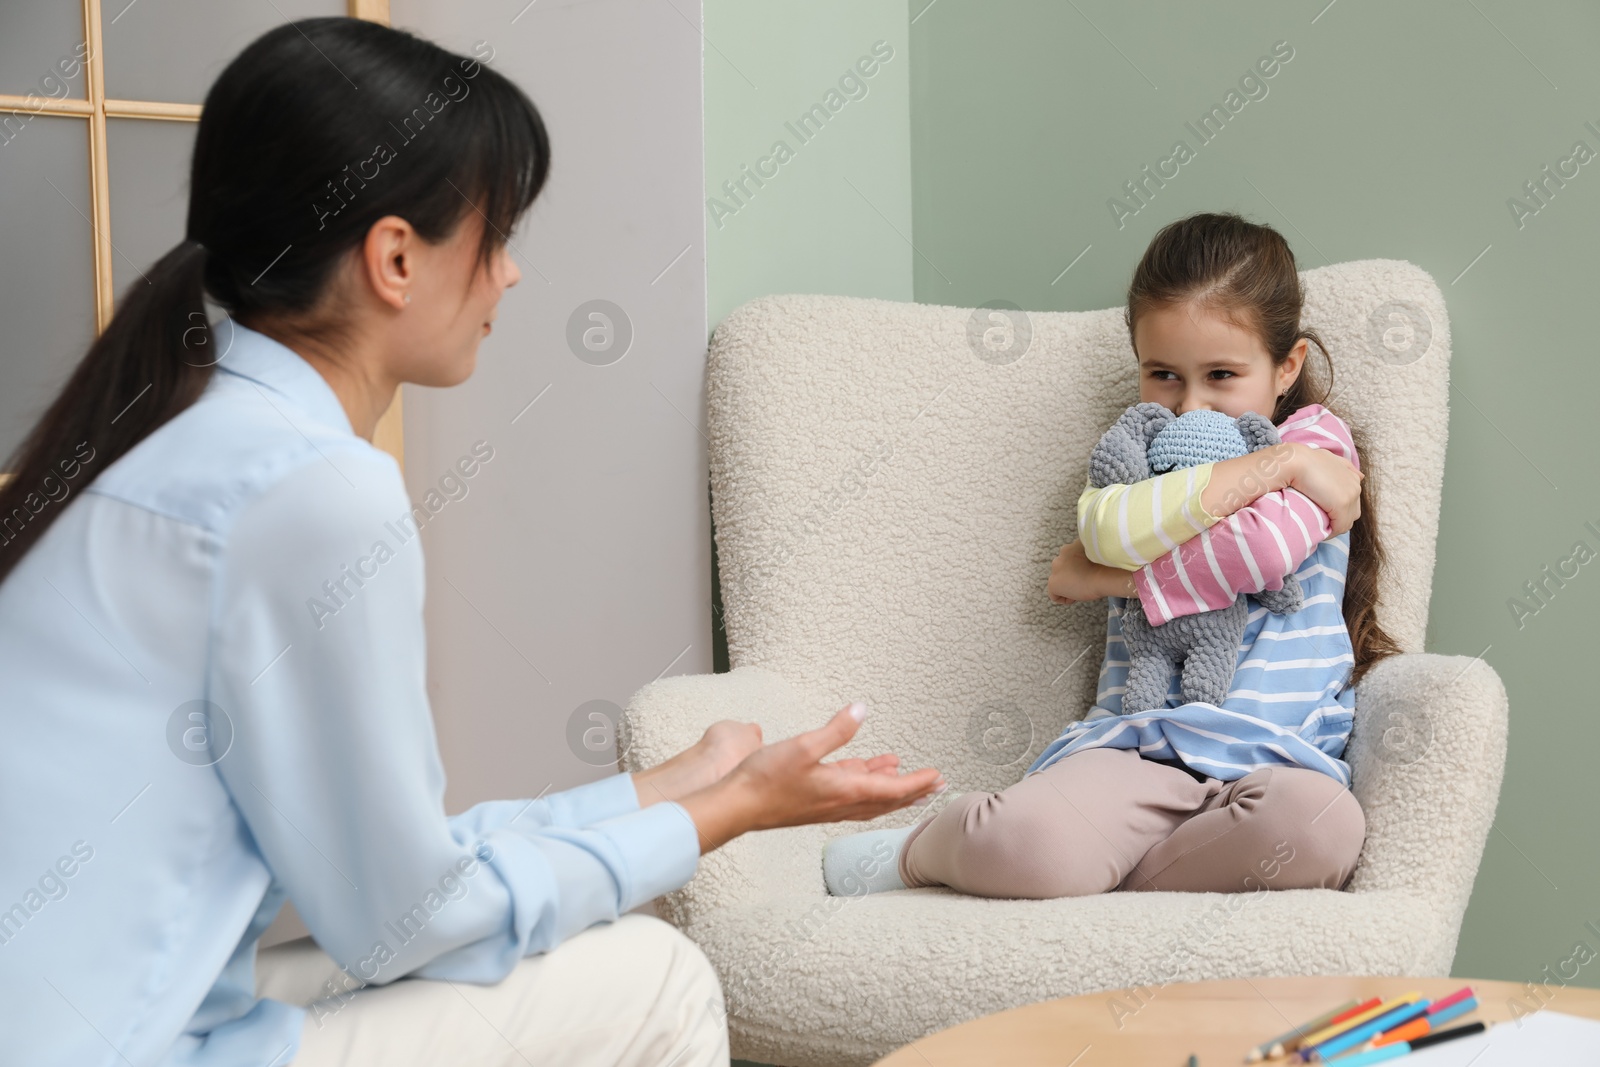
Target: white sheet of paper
x,y
1543,1037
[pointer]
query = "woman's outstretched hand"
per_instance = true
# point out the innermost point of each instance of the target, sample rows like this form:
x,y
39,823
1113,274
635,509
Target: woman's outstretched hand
x,y
787,783
720,749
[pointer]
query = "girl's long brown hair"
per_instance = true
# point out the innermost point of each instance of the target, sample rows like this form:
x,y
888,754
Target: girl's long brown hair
x,y
1246,272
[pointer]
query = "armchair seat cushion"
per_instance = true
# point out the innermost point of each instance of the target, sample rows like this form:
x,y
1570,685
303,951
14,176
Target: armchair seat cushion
x,y
818,981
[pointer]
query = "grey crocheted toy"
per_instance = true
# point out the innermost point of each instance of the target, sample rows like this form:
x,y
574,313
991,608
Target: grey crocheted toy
x,y
1145,441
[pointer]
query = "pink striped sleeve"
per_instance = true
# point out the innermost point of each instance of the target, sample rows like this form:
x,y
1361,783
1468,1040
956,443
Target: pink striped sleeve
x,y
1255,547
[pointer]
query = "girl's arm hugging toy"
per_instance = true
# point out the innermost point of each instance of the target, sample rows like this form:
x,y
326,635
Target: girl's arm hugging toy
x,y
1145,441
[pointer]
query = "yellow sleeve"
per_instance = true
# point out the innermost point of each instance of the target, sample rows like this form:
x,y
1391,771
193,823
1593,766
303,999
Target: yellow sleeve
x,y
1129,526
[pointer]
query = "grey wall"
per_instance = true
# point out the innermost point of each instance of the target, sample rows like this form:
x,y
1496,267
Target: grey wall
x,y
574,566
577,566
46,291
835,217
155,50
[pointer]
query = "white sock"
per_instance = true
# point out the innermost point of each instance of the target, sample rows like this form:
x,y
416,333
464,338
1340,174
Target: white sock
x,y
857,864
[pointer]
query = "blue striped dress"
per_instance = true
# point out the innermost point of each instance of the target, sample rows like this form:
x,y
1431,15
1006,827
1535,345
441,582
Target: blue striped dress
x,y
1288,705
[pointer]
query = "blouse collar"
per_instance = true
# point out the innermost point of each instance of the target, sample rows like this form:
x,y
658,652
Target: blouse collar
x,y
253,355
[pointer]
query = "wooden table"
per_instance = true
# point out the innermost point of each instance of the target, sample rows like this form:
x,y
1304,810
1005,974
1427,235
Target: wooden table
x,y
1217,1021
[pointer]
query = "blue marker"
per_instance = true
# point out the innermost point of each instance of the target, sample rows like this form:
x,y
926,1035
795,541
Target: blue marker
x,y
1377,1055
1388,1021
1460,1007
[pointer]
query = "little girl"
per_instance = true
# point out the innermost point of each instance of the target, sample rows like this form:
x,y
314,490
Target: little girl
x,y
1198,797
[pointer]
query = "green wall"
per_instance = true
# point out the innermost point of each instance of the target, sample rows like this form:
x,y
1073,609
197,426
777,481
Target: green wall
x,y
1395,130
835,216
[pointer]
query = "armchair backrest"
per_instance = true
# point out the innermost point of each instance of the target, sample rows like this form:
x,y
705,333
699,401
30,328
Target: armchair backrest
x,y
890,482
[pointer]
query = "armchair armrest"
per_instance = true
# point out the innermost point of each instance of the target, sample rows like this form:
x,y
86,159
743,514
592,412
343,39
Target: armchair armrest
x,y
667,716
1427,755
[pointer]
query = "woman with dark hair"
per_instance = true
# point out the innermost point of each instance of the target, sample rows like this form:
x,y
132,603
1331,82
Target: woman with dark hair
x,y
192,741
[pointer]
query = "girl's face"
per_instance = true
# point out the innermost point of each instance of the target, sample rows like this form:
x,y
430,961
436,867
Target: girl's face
x,y
1192,358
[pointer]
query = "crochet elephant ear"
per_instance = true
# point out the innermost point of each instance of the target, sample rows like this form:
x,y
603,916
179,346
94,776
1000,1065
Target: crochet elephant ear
x,y
1121,457
1258,431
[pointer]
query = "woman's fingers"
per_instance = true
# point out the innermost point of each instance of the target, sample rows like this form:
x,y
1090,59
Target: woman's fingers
x,y
888,787
788,784
726,743
847,788
878,794
888,763
833,734
844,724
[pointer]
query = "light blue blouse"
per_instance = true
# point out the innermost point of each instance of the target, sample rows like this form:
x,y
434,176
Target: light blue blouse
x,y
191,740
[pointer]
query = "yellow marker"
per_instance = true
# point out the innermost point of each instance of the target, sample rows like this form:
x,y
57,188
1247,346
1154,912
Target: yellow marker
x,y
1331,1032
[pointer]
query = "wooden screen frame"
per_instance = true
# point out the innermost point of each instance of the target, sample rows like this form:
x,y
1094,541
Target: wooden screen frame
x,y
96,109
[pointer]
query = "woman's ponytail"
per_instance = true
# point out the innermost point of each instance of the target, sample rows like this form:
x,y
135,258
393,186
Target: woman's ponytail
x,y
152,361
290,171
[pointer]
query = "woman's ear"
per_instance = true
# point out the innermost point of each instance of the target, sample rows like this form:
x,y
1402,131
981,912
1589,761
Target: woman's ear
x,y
388,260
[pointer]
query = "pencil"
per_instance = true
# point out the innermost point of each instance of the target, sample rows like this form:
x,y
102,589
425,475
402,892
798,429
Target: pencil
x,y
1274,1047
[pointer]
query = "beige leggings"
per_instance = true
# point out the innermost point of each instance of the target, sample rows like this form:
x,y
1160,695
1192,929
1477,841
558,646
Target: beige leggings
x,y
1105,818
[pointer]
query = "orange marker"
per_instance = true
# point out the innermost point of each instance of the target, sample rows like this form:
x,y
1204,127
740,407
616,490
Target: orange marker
x,y
1415,1028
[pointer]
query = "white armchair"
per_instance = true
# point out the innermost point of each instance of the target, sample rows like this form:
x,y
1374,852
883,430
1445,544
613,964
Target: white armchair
x,y
890,483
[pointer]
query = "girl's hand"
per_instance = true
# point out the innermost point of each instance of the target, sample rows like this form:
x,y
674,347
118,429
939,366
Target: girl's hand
x,y
788,784
1330,481
1074,577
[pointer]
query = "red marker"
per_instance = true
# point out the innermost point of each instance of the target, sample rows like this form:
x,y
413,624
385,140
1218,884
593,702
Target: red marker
x,y
1459,995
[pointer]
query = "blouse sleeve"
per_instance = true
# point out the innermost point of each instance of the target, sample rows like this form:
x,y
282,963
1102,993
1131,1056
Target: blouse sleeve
x,y
320,667
1254,548
1128,526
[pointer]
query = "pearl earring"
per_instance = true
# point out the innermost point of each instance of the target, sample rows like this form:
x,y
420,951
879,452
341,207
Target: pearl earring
x,y
408,298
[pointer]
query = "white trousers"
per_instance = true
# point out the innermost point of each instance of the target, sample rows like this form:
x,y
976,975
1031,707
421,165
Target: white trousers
x,y
632,993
